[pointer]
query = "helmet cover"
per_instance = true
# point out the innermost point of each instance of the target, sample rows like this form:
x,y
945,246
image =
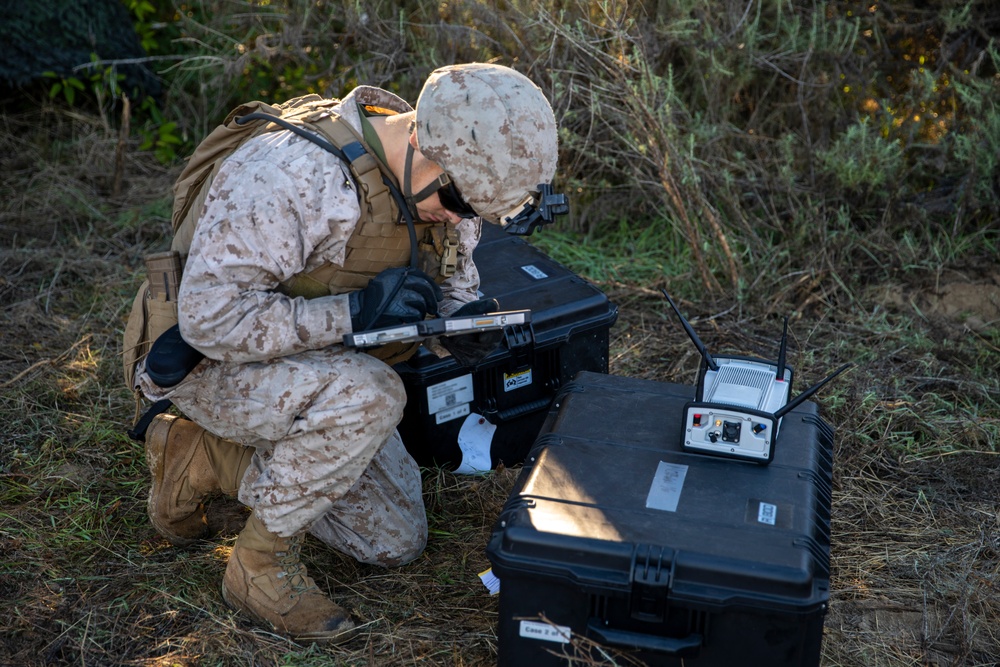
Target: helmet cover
x,y
492,131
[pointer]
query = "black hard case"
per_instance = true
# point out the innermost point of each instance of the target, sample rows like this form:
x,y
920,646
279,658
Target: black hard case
x,y
514,386
736,574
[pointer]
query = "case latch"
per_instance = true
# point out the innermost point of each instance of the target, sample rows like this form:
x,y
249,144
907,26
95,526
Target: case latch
x,y
520,340
518,336
651,583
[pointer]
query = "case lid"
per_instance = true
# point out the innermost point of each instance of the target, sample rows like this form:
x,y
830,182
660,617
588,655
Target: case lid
x,y
522,277
613,503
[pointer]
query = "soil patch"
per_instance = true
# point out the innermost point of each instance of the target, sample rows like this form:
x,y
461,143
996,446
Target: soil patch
x,y
973,302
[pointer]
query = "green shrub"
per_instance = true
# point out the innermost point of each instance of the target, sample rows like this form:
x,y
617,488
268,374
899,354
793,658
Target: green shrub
x,y
862,161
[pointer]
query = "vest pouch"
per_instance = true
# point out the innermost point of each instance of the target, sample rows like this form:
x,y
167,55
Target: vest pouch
x,y
148,319
163,271
160,316
344,281
154,310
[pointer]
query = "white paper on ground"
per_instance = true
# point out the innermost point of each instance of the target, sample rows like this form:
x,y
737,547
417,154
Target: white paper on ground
x,y
490,580
474,439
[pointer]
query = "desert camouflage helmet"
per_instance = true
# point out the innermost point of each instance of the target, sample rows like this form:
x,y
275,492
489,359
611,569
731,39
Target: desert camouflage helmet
x,y
493,132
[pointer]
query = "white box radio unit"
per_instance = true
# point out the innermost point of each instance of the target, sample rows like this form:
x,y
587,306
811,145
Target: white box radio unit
x,y
739,401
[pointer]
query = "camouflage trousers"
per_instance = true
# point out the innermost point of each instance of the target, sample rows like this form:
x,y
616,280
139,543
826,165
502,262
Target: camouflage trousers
x,y
328,458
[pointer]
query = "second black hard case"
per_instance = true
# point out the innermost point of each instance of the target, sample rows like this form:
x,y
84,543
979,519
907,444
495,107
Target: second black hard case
x,y
614,536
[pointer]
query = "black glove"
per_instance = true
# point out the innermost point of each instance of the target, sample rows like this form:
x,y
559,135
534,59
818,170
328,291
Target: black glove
x,y
395,296
470,349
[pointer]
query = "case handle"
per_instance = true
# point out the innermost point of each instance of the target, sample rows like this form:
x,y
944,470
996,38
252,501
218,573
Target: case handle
x,y
523,409
682,646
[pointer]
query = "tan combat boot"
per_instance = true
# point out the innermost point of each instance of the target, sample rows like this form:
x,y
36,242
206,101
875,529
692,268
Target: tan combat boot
x,y
187,464
266,579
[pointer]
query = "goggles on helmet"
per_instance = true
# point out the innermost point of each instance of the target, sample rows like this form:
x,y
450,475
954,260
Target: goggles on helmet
x,y
452,200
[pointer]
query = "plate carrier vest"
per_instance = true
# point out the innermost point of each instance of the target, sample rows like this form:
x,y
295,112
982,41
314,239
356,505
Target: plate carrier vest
x,y
379,241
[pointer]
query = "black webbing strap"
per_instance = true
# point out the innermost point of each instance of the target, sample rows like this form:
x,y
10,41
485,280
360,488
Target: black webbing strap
x,y
291,127
138,432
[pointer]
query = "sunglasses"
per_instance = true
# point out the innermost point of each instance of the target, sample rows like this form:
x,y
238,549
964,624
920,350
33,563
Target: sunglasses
x,y
452,200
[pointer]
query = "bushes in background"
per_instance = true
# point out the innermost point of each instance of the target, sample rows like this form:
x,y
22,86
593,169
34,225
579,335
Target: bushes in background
x,y
794,134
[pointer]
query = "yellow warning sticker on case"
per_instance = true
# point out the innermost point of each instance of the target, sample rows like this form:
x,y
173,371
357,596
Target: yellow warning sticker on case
x,y
512,381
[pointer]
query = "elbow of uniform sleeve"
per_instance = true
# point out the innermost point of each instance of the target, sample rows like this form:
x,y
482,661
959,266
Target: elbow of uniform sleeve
x,y
223,323
197,331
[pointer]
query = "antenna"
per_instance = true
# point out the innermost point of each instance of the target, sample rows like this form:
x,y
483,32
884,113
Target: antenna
x,y
692,335
780,375
794,403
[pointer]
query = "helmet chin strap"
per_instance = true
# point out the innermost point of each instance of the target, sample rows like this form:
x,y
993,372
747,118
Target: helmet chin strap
x,y
432,187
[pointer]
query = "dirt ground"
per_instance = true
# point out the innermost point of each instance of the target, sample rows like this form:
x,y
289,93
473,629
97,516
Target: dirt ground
x,y
954,297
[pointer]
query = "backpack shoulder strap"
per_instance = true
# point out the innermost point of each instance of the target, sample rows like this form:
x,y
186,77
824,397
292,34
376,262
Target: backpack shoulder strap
x,y
367,170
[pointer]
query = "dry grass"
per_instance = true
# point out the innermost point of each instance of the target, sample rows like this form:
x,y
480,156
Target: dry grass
x,y
85,580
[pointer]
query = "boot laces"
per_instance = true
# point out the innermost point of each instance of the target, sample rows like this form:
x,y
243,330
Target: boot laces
x,y
293,572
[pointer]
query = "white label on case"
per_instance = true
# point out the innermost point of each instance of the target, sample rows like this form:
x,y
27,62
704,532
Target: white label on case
x,y
767,513
451,413
534,272
449,394
665,491
545,632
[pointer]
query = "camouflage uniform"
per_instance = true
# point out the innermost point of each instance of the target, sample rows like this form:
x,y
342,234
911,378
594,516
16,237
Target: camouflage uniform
x,y
321,417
